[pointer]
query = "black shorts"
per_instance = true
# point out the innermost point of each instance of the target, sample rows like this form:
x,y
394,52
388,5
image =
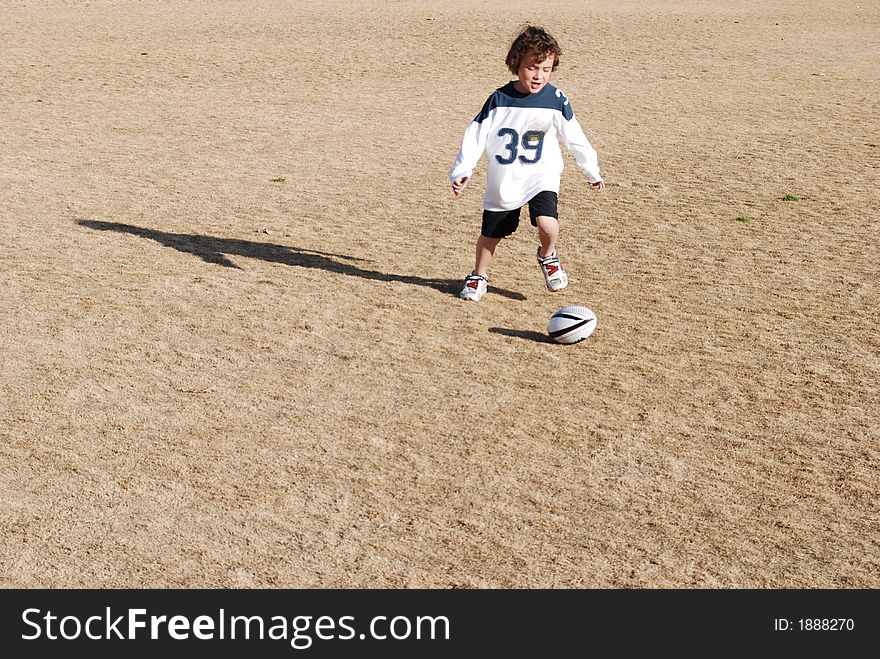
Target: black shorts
x,y
500,224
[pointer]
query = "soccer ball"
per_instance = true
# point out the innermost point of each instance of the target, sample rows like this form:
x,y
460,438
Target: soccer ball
x,y
571,324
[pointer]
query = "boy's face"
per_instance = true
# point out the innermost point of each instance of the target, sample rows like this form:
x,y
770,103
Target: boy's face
x,y
534,73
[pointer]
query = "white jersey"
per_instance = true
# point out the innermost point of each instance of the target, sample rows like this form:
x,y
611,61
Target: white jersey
x,y
519,133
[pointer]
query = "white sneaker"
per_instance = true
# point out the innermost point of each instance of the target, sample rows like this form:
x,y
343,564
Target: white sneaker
x,y
474,287
554,274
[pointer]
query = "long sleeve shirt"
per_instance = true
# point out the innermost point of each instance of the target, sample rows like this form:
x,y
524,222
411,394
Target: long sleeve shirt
x,y
520,133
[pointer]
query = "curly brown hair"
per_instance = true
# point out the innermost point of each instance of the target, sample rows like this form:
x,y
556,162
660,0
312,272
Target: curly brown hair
x,y
532,38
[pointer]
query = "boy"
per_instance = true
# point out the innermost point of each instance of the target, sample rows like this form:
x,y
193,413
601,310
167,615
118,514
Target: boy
x,y
517,129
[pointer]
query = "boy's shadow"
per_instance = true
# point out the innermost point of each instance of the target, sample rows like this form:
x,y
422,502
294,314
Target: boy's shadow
x,y
214,250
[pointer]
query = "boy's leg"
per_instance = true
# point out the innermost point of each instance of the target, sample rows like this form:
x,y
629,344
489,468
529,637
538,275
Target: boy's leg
x,y
496,225
548,233
543,213
485,251
476,283
554,274
542,209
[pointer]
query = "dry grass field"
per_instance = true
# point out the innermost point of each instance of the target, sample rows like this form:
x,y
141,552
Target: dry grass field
x,y
232,352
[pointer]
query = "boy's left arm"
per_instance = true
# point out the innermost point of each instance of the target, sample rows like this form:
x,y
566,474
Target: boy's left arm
x,y
576,142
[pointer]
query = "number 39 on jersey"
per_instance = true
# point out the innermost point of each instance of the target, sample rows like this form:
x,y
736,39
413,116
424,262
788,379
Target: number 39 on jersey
x,y
531,141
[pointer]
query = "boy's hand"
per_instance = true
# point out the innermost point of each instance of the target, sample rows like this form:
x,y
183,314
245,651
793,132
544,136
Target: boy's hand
x,y
458,185
598,186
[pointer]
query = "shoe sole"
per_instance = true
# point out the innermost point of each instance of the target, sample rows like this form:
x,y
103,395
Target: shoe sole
x,y
557,287
554,289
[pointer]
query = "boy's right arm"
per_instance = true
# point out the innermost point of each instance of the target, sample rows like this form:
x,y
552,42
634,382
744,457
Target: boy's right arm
x,y
472,146
459,184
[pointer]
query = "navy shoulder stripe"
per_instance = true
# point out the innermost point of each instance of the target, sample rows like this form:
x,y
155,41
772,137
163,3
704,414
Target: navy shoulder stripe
x,y
549,98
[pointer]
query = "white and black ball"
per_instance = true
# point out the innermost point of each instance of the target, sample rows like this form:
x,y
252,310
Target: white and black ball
x,y
571,324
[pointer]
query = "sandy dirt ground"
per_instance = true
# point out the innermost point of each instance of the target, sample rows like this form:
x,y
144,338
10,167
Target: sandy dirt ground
x,y
232,352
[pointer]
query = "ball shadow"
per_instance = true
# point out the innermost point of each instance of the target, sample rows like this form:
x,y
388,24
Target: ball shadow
x,y
528,335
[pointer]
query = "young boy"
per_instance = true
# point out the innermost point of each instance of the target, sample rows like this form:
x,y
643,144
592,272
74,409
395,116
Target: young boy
x,y
517,129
